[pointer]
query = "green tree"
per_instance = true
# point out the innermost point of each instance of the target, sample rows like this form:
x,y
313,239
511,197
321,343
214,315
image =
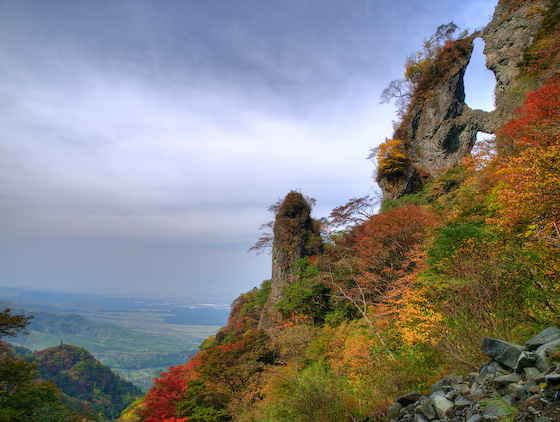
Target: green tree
x,y
11,325
23,396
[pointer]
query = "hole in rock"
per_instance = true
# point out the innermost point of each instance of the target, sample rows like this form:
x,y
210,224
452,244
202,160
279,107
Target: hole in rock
x,y
479,81
482,149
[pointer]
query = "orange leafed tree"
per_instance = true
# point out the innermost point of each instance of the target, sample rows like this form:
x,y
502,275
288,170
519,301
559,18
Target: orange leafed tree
x,y
529,189
371,274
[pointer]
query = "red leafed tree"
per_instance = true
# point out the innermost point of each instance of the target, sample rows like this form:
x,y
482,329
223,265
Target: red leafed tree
x,y
384,245
369,273
160,403
529,175
356,211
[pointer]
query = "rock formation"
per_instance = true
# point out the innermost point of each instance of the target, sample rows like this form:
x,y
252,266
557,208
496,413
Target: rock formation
x,y
441,129
506,37
293,240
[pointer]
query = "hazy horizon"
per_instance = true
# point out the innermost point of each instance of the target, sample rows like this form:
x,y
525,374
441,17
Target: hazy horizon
x,y
143,141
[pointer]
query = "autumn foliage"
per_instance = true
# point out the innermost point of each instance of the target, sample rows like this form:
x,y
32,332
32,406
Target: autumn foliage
x,y
392,160
394,299
530,166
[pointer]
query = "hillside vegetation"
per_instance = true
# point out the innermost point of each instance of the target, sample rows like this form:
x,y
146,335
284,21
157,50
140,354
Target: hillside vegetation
x,y
88,386
138,354
393,301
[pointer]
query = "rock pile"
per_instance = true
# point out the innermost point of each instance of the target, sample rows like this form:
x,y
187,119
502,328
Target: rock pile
x,y
520,383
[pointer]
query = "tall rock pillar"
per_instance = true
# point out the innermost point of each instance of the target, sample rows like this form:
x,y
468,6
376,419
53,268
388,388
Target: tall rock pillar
x,y
293,227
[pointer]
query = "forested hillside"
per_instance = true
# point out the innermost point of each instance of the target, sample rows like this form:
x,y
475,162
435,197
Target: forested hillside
x,y
88,386
391,300
63,383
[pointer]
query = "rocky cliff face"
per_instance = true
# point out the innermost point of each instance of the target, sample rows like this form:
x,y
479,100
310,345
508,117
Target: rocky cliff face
x,y
441,130
293,227
506,37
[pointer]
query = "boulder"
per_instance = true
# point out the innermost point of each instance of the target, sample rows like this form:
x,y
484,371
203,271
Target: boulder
x,y
553,379
427,409
525,360
501,351
393,411
446,383
517,391
498,410
545,336
531,373
443,406
543,352
419,417
504,380
408,398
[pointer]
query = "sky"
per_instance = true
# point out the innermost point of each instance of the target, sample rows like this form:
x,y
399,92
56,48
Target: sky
x,y
142,141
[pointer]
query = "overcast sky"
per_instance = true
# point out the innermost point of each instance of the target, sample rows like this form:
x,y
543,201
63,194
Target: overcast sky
x,y
142,141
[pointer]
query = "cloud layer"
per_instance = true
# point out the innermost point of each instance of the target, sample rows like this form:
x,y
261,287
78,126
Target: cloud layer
x,y
141,142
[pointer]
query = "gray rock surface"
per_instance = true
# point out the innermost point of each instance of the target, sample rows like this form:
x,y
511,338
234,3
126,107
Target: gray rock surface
x,y
442,405
526,359
502,351
442,130
393,411
290,226
506,37
547,335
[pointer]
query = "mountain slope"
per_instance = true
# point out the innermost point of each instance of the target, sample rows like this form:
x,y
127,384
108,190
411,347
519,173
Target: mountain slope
x,y
89,385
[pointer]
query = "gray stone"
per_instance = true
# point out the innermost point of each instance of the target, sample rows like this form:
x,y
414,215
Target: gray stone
x,y
526,359
503,380
543,419
553,379
517,391
502,351
443,406
492,368
532,387
419,417
408,398
532,410
543,352
531,373
545,336
427,409
446,384
464,389
543,364
451,395
476,391
548,348
393,411
462,403
498,410
475,418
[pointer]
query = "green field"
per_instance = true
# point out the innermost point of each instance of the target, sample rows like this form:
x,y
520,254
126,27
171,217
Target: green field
x,y
138,344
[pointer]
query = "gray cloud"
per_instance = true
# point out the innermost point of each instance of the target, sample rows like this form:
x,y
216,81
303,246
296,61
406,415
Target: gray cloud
x,y
143,140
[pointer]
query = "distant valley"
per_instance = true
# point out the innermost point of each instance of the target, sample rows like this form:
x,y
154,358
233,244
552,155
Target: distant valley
x,y
136,337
